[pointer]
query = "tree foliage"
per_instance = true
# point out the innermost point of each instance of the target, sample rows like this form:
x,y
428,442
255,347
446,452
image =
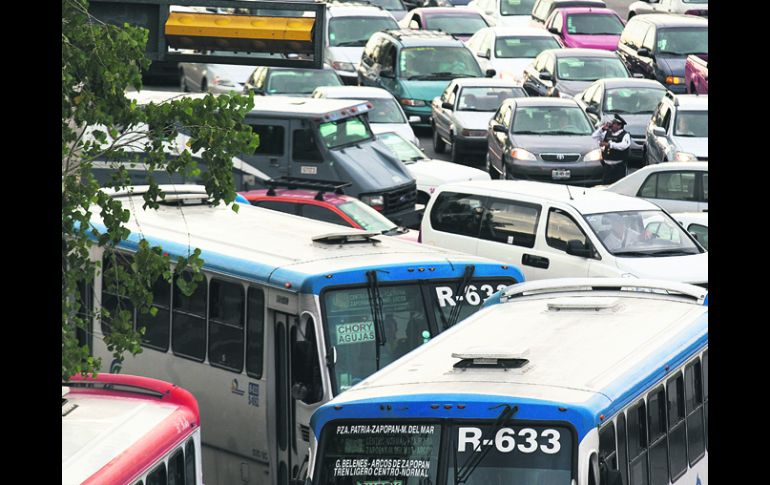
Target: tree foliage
x,y
99,63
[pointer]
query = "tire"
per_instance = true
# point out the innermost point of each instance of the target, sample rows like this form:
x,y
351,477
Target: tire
x,y
493,173
182,82
204,86
439,146
504,175
454,154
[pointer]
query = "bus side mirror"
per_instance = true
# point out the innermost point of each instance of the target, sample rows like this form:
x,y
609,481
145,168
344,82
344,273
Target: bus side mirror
x,y
299,391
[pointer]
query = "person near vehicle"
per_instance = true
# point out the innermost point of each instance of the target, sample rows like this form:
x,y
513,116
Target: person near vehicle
x,y
614,142
619,235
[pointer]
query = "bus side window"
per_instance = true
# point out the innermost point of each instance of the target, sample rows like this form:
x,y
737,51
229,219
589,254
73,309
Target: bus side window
x,y
188,322
305,369
255,331
176,468
693,398
677,437
706,394
158,476
226,311
607,446
114,298
656,406
637,443
622,449
157,328
189,462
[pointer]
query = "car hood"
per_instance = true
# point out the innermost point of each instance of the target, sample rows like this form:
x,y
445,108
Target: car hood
x,y
572,87
604,42
372,165
697,146
238,74
555,143
473,120
425,90
692,268
432,173
511,69
345,54
671,65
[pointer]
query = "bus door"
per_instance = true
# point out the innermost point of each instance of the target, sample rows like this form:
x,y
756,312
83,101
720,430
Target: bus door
x,y
284,422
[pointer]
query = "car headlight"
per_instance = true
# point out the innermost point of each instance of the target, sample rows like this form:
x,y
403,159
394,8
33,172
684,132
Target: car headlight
x,y
376,202
522,154
344,66
685,157
222,81
474,132
593,156
412,102
674,80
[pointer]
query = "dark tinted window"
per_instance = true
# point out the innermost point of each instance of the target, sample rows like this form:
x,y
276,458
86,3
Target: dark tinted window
x,y
189,463
158,476
457,213
322,214
157,328
676,186
648,188
622,449
226,307
305,367
561,229
188,322
271,139
637,444
607,446
677,438
510,222
176,472
304,148
656,406
255,329
115,297
693,397
286,207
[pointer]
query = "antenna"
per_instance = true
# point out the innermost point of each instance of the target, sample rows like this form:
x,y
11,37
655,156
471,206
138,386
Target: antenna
x,y
568,191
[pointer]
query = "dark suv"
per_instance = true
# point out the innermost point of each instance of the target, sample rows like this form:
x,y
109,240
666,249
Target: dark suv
x,y
657,46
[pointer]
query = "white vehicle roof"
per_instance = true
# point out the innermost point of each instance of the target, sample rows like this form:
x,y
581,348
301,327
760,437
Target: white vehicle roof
x,y
519,32
692,102
577,342
280,105
352,92
486,82
584,200
343,10
147,96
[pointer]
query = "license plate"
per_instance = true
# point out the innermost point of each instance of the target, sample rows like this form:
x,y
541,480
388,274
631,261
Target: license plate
x,y
560,174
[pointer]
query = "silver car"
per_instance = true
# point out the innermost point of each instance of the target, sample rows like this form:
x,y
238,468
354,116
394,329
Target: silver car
x,y
214,78
690,7
461,114
678,130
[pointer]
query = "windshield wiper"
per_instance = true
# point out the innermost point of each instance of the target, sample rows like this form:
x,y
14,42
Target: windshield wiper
x,y
375,303
460,298
351,43
434,75
529,133
462,474
672,252
566,133
634,253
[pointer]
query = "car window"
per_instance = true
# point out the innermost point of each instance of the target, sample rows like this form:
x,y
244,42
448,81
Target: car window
x,y
649,187
590,68
596,97
649,39
287,207
562,228
456,24
457,213
452,96
550,64
692,124
385,111
515,7
445,94
524,47
588,93
300,81
388,57
344,132
682,41
539,62
701,233
705,184
507,112
551,120
486,98
304,148
355,31
632,100
271,139
666,118
557,22
437,63
593,24
510,222
325,214
676,186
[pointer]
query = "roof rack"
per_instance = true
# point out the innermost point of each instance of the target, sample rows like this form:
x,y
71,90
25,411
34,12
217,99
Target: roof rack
x,y
322,186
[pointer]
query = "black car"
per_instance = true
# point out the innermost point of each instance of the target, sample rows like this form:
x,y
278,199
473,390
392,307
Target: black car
x,y
543,139
633,99
566,72
656,46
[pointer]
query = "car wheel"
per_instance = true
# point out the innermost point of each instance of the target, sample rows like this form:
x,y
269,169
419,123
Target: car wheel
x,y
439,146
454,155
204,85
493,174
504,175
182,82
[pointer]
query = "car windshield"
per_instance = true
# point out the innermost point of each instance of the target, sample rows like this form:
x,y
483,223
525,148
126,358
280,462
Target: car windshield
x,y
696,1
301,81
402,148
692,124
356,31
385,111
437,63
406,309
516,7
391,5
523,47
632,100
456,24
344,132
594,24
682,42
651,233
589,68
366,217
487,98
471,453
550,120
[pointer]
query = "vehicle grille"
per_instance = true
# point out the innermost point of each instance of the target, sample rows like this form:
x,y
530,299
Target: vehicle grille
x,y
565,157
400,199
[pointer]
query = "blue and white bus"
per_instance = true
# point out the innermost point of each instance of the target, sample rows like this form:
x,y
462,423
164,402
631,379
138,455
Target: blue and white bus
x,y
292,312
554,382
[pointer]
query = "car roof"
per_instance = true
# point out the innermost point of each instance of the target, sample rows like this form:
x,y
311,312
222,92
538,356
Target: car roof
x,y
519,32
310,107
560,2
584,200
670,20
691,102
630,82
355,10
446,11
485,81
581,52
410,38
542,101
353,92
326,67
579,10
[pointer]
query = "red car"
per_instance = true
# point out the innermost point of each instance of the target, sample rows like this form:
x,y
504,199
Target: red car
x,y
328,206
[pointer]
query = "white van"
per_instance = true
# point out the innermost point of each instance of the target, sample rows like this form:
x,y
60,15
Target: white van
x,y
556,231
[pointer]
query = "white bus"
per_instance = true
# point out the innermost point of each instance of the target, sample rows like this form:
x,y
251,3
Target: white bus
x,y
554,382
292,312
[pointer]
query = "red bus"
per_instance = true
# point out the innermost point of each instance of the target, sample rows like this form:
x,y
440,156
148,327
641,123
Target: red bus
x,y
122,429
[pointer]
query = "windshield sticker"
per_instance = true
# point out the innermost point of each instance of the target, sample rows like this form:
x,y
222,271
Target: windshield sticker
x,y
355,333
570,27
473,296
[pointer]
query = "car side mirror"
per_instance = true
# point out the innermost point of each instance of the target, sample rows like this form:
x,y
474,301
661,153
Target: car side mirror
x,y
499,128
446,105
545,76
577,248
299,391
486,54
592,110
644,52
490,73
658,131
553,30
387,73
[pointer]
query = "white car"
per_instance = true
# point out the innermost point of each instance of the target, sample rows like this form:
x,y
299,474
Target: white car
x,y
510,50
674,186
504,13
386,115
348,28
678,130
556,231
689,7
696,223
429,173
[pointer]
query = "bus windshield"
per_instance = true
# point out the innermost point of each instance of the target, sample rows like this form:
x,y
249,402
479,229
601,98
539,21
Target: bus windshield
x,y
406,321
409,453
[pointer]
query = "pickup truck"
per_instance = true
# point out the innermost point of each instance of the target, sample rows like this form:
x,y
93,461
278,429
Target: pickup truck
x,y
696,74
